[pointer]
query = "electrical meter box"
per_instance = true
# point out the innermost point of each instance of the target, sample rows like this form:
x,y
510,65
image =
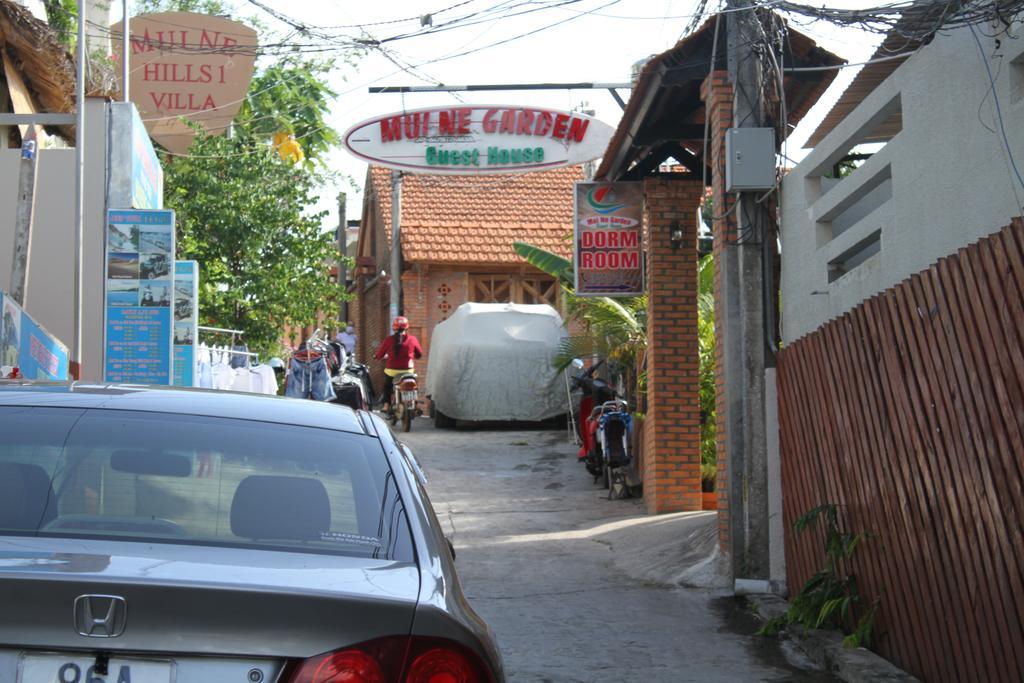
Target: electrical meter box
x,y
749,159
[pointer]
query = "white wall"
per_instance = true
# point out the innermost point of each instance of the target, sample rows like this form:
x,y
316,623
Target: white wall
x,y
950,179
50,290
36,7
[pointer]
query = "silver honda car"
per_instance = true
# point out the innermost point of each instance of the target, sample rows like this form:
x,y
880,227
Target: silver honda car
x,y
182,536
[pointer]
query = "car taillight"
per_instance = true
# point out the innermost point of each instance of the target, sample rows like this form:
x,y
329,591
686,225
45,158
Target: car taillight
x,y
398,659
348,666
375,661
439,665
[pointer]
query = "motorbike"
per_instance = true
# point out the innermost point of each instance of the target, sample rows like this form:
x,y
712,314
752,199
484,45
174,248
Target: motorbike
x,y
359,374
404,401
614,428
595,392
605,427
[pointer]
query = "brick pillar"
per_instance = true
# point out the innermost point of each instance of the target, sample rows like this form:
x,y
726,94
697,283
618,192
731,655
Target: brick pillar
x,y
671,467
369,312
417,308
357,314
717,93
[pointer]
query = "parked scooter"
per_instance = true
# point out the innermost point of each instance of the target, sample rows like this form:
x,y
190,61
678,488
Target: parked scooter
x,y
614,428
360,374
404,401
595,393
605,430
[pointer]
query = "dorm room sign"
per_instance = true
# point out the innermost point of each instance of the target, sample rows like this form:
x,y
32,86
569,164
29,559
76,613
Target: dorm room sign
x,y
608,239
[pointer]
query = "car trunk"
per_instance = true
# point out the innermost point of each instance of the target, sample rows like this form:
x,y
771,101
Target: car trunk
x,y
200,600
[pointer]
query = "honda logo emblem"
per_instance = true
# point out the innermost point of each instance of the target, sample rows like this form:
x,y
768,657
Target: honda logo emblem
x,y
100,616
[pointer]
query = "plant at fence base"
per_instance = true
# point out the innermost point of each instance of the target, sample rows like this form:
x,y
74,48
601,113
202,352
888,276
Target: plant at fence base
x,y
830,597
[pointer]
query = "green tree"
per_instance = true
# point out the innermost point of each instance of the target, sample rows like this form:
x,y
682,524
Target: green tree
x,y
706,368
241,213
62,16
291,96
198,6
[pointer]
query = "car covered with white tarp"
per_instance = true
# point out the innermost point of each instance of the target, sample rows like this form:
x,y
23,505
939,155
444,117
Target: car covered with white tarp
x,y
496,362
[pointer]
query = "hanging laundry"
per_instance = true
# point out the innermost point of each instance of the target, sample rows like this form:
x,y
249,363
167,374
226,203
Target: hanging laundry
x,y
205,367
263,379
308,378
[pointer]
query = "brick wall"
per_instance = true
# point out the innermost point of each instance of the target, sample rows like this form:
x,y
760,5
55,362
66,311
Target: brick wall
x,y
430,296
671,459
369,314
717,93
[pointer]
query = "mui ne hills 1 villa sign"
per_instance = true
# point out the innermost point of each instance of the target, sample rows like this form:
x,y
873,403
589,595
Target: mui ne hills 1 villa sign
x,y
186,66
478,140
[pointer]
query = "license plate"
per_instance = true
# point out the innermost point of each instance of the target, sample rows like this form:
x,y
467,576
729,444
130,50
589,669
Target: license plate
x,y
408,395
78,669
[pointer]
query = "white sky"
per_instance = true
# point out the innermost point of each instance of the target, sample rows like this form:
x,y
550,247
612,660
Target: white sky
x,y
599,47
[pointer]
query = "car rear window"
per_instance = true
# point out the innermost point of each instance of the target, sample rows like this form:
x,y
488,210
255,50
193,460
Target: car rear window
x,y
197,480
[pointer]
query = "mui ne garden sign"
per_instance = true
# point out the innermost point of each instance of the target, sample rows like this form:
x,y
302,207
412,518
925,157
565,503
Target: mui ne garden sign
x,y
486,140
478,140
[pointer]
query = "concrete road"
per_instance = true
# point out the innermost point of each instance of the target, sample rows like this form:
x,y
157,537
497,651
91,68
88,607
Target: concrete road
x,y
577,587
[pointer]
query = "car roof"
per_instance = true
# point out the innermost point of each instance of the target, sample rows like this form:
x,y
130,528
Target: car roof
x,y
184,401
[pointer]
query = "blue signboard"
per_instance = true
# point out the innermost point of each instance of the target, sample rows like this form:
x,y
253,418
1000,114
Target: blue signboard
x,y
147,175
24,344
139,295
186,332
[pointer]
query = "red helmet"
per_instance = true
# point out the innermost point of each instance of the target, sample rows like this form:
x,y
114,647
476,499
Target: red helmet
x,y
400,323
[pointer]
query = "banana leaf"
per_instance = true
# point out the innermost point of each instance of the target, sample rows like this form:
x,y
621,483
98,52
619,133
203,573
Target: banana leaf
x,y
542,259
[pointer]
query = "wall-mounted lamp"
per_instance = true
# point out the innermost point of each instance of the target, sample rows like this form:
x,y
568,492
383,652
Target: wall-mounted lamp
x,y
675,234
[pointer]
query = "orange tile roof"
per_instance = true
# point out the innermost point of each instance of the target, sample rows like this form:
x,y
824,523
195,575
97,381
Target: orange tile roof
x,y
475,219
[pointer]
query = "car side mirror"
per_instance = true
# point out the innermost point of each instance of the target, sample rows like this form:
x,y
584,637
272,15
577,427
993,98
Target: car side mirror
x,y
577,363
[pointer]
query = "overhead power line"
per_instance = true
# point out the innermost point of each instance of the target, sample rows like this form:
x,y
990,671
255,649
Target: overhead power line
x,y
913,19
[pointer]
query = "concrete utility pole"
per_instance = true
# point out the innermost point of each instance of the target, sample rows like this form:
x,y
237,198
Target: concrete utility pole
x,y
745,352
23,218
125,33
342,255
396,243
76,350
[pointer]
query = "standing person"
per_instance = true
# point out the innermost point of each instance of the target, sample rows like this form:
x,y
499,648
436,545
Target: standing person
x,y
347,338
400,350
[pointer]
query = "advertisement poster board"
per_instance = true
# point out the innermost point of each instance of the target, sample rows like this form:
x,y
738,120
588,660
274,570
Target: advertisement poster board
x,y
186,321
608,257
147,175
139,294
136,178
26,345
